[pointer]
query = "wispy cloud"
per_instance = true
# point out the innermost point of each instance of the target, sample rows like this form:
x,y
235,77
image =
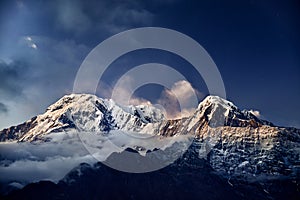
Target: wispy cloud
x,y
72,18
11,78
30,42
3,108
123,94
182,91
255,113
122,18
109,17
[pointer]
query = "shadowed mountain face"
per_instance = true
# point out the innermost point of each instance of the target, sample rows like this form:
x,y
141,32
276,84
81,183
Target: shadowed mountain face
x,y
234,154
188,178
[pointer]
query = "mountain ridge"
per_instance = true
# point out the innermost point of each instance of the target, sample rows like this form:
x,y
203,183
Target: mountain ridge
x,y
85,112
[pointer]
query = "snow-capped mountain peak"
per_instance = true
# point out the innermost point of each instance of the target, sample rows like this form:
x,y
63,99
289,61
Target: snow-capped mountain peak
x,y
85,112
220,112
211,99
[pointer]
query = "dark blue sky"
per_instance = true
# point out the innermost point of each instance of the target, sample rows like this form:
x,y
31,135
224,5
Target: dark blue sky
x,y
255,45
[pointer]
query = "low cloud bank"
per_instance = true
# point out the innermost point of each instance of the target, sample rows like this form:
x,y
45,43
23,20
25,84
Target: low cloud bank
x,y
23,163
28,162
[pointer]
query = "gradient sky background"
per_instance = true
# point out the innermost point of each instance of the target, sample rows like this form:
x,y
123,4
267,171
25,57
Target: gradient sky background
x,y
255,44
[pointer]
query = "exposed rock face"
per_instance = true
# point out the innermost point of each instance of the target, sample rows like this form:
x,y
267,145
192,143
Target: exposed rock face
x,y
15,132
251,152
